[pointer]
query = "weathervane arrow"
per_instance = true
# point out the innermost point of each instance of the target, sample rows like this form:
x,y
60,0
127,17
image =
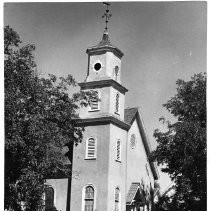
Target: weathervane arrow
x,y
106,14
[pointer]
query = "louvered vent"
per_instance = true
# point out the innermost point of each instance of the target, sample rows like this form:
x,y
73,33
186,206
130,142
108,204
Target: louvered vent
x,y
117,103
94,104
91,148
118,156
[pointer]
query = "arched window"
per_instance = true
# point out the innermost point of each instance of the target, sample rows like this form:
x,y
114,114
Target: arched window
x,y
49,198
89,198
116,72
118,150
91,148
117,103
133,141
117,199
94,103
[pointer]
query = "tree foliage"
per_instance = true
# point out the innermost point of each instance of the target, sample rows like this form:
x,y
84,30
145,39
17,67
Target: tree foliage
x,y
182,148
40,119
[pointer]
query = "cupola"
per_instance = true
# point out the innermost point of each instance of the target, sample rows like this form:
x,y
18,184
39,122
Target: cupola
x,y
104,60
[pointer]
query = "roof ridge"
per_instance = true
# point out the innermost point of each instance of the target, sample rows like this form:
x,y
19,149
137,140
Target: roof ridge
x,y
130,113
137,107
135,183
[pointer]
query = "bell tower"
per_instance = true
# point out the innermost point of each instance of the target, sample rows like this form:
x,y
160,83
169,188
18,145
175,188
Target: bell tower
x,y
104,61
101,158
104,77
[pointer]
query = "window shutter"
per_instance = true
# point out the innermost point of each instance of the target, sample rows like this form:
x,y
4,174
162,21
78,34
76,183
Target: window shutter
x,y
118,158
91,148
117,103
117,199
94,104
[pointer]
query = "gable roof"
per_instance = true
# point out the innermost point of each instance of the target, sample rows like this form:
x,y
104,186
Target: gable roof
x,y
133,193
129,116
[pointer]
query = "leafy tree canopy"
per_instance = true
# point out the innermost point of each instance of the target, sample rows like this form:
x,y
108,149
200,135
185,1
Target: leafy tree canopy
x,y
40,119
182,148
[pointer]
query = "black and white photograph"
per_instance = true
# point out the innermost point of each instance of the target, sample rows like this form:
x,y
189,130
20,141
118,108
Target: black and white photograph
x,y
105,106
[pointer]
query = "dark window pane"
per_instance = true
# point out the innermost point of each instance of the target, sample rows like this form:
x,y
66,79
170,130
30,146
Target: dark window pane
x,y
89,193
49,198
117,198
117,103
89,198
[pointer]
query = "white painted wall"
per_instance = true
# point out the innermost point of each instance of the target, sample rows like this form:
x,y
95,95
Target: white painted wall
x,y
137,160
116,170
108,61
60,192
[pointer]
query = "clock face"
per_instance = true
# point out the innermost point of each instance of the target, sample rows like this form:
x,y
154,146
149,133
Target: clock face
x,y
133,141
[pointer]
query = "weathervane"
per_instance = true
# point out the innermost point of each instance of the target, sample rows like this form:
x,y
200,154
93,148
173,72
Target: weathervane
x,y
106,14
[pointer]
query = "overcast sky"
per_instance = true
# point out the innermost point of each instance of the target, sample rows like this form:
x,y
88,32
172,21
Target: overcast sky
x,y
161,41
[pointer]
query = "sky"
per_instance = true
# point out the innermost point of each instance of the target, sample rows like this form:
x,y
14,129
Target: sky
x,y
161,42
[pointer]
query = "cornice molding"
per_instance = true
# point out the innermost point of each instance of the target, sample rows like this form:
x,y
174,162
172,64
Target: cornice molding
x,y
103,49
103,83
103,121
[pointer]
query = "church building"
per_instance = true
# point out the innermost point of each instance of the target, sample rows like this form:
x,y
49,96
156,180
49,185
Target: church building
x,y
110,168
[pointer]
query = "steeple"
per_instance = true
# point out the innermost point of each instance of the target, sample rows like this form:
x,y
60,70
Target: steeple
x,y
105,44
104,76
105,39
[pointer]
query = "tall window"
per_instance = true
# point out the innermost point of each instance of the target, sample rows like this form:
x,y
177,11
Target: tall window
x,y
49,198
89,198
117,199
94,103
91,148
118,150
117,103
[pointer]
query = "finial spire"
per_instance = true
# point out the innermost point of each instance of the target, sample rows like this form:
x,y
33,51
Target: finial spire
x,y
106,14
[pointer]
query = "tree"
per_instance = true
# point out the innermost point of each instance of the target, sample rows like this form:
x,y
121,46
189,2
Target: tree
x,y
40,119
182,148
